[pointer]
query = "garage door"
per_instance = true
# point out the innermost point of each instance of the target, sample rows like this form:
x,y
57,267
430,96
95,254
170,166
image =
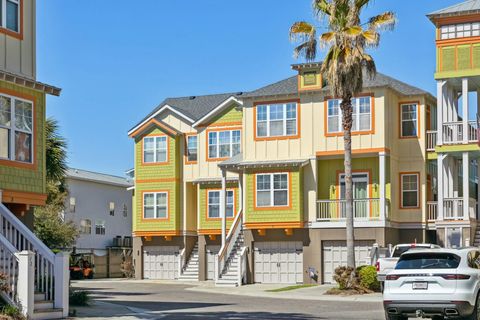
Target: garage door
x,y
335,254
160,262
279,262
211,252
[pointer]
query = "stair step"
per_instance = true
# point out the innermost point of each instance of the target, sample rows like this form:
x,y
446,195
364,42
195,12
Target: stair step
x,y
43,305
38,296
47,314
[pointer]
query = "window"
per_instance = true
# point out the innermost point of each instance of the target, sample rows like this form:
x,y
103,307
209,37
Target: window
x,y
125,210
155,205
409,184
463,30
111,208
223,144
10,14
16,129
409,123
155,149
310,78
192,148
100,227
86,226
73,203
277,120
362,115
272,190
214,204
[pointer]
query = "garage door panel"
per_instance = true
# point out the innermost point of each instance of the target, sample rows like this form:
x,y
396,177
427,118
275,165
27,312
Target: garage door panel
x,y
278,262
161,262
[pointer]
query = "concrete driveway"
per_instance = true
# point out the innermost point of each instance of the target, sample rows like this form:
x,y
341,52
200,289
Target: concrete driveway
x,y
127,299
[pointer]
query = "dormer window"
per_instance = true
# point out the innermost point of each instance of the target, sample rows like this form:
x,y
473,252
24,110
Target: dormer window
x,y
462,30
310,78
10,14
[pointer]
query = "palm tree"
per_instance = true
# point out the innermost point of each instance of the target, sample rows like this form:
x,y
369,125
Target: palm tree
x,y
347,39
56,152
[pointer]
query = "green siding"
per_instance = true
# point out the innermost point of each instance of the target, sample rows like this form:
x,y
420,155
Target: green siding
x,y
214,223
21,179
476,56
156,178
228,115
448,59
293,214
463,53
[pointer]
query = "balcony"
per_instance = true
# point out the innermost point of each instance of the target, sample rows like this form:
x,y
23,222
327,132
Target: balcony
x,y
453,132
452,210
335,210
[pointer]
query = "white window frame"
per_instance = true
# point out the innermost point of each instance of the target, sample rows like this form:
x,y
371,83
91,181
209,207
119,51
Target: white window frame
x,y
100,225
125,210
3,24
272,190
72,204
417,191
356,115
460,30
284,119
231,204
217,143
111,208
155,206
84,225
189,150
154,149
408,120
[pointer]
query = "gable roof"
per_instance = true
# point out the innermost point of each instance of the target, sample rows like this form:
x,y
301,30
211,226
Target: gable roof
x,y
467,7
85,175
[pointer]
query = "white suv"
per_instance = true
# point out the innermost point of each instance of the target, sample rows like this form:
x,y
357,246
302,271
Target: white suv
x,y
434,283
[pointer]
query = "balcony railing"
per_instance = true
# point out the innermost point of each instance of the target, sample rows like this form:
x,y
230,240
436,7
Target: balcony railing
x,y
432,207
453,132
431,140
335,210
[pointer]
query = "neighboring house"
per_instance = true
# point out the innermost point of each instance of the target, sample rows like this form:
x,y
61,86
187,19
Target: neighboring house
x,y
22,159
101,207
276,156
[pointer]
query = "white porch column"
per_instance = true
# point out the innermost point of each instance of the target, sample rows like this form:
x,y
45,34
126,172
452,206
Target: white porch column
x,y
383,200
440,110
223,200
440,185
465,109
241,196
466,185
62,282
26,289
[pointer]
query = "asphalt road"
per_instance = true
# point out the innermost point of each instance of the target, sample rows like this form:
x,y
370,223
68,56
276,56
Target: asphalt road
x,y
172,301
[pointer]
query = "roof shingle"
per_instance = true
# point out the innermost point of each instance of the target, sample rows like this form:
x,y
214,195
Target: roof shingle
x,y
469,6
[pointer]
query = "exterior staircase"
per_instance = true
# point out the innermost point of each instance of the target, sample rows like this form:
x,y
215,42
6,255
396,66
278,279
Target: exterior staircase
x,y
229,277
44,309
190,271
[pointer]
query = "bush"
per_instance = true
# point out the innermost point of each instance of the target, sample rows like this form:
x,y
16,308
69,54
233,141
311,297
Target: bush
x,y
79,298
345,278
367,278
12,312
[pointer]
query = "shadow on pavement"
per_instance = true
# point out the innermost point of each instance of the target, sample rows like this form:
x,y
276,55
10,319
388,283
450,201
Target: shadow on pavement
x,y
162,305
238,315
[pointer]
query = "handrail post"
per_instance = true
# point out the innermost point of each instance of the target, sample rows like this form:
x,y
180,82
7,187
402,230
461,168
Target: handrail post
x,y
25,283
62,280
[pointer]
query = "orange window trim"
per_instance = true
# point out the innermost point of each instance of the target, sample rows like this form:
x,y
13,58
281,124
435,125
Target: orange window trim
x,y
13,34
356,151
273,208
207,218
400,175
168,150
275,225
186,148
222,124
355,133
400,104
457,41
143,219
18,164
210,231
19,197
458,19
297,136
152,122
207,154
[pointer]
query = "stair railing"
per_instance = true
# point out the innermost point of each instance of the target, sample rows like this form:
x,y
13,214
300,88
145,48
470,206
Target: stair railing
x,y
242,266
181,262
9,267
226,250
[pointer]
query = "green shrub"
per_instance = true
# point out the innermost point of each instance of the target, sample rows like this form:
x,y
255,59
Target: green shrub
x,y
367,278
79,297
12,312
344,277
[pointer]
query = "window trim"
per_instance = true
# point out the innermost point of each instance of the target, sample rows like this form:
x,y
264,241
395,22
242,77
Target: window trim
x,y
207,153
285,137
341,173
104,227
167,158
90,226
167,192
400,119
30,99
14,34
272,206
401,175
187,136
208,218
356,133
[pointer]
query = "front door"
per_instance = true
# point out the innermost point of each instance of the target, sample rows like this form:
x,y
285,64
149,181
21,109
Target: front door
x,y
360,191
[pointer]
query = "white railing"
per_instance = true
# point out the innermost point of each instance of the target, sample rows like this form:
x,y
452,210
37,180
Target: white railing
x,y
9,267
50,271
242,266
453,132
432,207
431,140
226,250
335,210
472,208
181,262
453,208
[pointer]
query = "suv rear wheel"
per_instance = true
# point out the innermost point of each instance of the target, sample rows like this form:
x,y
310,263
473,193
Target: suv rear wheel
x,y
476,311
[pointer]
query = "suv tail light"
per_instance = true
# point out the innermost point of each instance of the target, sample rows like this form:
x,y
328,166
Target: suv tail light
x,y
454,276
377,265
393,277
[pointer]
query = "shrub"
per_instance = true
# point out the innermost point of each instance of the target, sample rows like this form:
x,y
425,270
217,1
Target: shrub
x,y
345,278
79,298
12,312
367,278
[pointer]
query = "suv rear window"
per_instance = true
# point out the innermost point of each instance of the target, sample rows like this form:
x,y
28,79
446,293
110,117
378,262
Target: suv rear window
x,y
428,261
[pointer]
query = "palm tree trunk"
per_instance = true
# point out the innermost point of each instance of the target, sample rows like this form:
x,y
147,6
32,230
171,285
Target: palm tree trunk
x,y
347,122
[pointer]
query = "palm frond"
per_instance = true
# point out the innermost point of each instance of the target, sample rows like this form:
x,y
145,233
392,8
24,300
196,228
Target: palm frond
x,y
361,3
369,65
321,7
353,31
307,49
56,152
384,21
327,36
371,37
302,31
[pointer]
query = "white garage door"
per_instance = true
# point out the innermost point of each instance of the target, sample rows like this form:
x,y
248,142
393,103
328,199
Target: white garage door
x,y
279,262
211,252
335,254
160,262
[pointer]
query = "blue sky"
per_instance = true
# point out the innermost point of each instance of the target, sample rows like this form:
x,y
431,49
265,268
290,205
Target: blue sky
x,y
117,59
